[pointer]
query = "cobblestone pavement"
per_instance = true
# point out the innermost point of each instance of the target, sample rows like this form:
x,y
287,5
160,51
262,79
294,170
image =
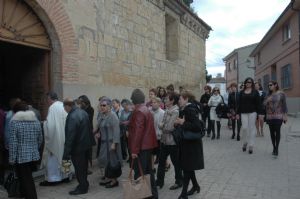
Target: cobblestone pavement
x,y
229,173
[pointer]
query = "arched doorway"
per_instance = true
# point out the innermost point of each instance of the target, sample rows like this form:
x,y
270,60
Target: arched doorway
x,y
25,50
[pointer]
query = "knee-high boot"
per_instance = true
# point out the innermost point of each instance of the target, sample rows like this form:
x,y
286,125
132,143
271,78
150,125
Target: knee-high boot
x,y
218,129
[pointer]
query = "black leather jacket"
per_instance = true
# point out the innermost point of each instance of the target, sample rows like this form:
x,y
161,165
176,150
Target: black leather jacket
x,y
77,133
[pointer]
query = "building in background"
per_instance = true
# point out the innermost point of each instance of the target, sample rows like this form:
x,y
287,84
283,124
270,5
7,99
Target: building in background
x,y
239,65
98,48
219,82
277,56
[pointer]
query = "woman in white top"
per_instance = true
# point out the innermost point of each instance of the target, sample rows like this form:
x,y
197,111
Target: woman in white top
x,y
213,102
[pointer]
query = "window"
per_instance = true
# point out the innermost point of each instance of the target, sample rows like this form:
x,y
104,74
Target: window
x,y
273,73
258,58
266,80
286,81
286,32
228,66
234,64
172,39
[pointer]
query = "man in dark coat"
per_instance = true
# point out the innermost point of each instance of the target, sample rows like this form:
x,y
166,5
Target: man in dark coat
x,y
142,137
77,143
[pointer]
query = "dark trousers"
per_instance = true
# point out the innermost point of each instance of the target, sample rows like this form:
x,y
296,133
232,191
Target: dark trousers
x,y
123,140
239,124
80,162
275,134
187,176
213,127
145,158
27,186
165,151
205,116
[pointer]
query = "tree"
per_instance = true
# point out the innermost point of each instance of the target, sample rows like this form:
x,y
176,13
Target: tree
x,y
188,2
208,77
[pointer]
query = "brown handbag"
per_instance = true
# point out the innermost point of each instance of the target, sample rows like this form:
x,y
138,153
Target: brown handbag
x,y
139,188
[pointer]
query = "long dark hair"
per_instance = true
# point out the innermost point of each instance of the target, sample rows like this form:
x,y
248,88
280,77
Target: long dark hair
x,y
252,86
276,86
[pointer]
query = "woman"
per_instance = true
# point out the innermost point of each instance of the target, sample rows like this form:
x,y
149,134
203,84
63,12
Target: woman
x,y
213,102
24,142
168,145
233,104
191,152
110,151
162,94
249,107
276,113
204,102
260,123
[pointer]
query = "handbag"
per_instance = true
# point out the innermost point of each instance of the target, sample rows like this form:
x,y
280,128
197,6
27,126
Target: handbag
x,y
222,109
190,135
112,171
139,188
177,135
12,185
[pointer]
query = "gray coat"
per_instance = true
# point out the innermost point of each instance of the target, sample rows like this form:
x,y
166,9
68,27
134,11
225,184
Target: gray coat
x,y
110,133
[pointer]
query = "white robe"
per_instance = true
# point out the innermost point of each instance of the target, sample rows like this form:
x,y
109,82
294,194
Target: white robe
x,y
54,133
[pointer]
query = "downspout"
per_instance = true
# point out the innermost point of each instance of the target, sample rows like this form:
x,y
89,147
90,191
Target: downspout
x,y
237,70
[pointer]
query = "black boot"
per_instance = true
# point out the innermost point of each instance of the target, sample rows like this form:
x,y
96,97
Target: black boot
x,y
213,136
238,137
218,129
193,190
233,135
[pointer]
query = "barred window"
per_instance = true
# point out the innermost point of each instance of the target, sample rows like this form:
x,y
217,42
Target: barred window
x,y
286,81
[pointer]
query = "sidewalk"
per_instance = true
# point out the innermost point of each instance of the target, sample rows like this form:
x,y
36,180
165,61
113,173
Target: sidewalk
x,y
229,173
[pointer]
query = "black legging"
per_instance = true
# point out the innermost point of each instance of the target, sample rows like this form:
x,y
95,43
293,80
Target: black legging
x,y
213,127
239,124
275,134
187,176
206,116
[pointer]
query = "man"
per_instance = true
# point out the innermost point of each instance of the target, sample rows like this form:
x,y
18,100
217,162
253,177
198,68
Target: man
x,y
54,133
117,108
78,143
142,137
2,148
158,115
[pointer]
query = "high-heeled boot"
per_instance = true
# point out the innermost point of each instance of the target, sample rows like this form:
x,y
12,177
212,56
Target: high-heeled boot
x,y
193,190
218,130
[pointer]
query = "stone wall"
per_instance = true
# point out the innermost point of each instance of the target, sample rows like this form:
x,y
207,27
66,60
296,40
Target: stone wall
x,y
122,45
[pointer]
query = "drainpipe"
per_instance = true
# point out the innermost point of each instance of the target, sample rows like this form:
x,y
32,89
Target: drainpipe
x,y
237,70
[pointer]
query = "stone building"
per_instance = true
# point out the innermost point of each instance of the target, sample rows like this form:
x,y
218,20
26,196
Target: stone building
x,y
98,47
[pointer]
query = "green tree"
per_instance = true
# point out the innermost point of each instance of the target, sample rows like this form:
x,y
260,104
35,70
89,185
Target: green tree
x,y
188,2
208,77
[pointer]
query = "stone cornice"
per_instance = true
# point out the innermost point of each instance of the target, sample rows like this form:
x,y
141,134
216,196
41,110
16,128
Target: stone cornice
x,y
187,17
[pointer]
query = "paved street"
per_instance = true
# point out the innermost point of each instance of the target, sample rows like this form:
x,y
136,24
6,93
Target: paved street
x,y
229,173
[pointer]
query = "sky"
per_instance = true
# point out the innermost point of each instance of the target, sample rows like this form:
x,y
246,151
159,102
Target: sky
x,y
235,23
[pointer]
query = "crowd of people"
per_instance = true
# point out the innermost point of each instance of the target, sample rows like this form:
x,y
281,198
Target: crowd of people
x,y
133,131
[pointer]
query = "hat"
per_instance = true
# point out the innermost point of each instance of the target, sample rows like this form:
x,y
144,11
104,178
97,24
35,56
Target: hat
x,y
137,96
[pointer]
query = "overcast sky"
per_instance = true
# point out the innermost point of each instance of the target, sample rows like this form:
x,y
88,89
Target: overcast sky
x,y
235,23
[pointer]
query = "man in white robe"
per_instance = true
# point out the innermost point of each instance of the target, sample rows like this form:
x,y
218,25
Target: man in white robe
x,y
54,133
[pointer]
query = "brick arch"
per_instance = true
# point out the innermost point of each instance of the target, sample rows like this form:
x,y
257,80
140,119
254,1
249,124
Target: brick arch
x,y
64,58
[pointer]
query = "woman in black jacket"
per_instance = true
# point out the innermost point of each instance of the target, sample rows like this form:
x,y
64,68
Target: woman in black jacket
x,y
204,102
233,105
191,151
249,107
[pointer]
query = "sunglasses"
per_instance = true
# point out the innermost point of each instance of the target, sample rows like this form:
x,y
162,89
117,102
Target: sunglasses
x,y
270,85
103,105
248,82
216,90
